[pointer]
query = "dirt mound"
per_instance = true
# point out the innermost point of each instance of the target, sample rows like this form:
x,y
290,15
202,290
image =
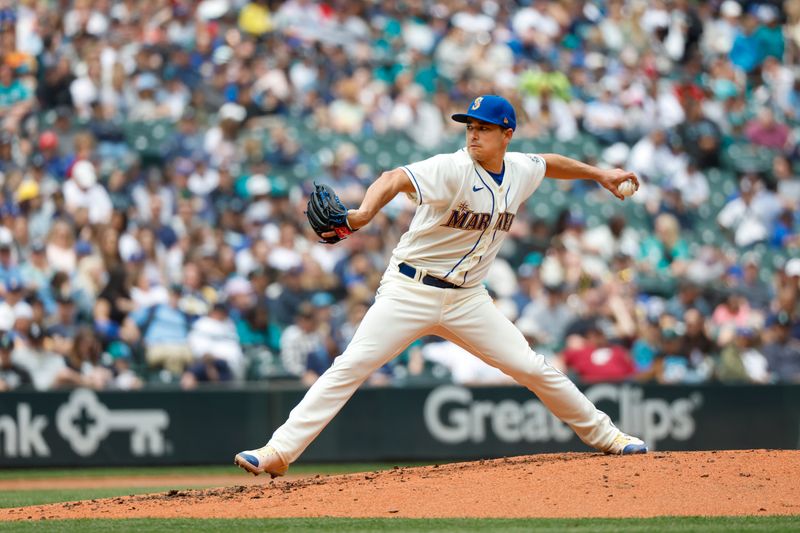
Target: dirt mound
x,y
747,482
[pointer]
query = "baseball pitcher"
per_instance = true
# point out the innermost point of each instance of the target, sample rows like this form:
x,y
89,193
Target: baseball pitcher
x,y
466,203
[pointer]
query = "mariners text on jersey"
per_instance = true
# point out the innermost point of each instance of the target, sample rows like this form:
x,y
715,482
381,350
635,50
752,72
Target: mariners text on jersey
x,y
463,214
466,219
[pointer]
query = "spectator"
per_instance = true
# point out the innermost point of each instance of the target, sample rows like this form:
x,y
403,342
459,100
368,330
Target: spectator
x,y
742,218
60,248
697,344
692,185
301,339
256,329
12,375
463,367
206,369
746,52
785,232
420,119
63,327
779,81
645,349
757,292
604,117
595,359
320,359
290,294
788,184
163,331
719,33
47,369
689,296
8,257
35,271
742,360
113,303
16,99
553,115
701,137
732,313
214,336
84,359
781,350
675,365
765,130
666,251
548,316
83,192
769,33
121,358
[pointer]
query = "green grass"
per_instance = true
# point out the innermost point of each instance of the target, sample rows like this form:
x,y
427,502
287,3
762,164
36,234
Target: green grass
x,y
23,498
665,524
45,473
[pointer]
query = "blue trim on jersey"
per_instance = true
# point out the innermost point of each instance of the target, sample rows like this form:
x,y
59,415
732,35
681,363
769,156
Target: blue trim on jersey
x,y
484,231
498,178
506,211
415,183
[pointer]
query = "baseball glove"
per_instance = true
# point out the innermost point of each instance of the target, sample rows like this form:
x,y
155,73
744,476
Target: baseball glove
x,y
326,213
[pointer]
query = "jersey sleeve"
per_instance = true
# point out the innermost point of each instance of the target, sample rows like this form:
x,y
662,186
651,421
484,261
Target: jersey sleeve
x,y
433,179
536,166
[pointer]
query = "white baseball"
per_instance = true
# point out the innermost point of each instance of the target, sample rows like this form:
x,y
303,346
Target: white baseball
x,y
626,188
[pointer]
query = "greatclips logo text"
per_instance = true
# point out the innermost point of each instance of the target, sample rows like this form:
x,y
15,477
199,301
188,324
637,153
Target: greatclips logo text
x,y
453,416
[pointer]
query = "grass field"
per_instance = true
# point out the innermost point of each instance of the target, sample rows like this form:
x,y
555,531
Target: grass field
x,y
665,524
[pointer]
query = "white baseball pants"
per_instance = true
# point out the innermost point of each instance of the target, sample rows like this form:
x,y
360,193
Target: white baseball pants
x,y
405,310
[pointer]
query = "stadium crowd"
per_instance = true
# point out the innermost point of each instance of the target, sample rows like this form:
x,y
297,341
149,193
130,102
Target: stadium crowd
x,y
151,206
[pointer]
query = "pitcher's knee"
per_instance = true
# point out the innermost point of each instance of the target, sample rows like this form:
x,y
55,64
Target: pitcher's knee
x,y
536,364
351,365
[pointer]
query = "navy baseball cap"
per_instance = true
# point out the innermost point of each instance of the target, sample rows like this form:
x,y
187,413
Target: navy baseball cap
x,y
492,109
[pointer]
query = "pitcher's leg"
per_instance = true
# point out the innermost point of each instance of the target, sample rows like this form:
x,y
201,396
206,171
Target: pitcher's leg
x,y
479,327
397,318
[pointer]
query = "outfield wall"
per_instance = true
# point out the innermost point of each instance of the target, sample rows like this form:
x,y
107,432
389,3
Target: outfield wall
x,y
82,427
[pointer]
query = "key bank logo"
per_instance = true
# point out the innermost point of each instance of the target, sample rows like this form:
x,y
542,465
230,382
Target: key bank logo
x,y
84,422
453,416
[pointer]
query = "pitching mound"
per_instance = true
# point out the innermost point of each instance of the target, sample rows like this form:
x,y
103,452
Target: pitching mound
x,y
749,482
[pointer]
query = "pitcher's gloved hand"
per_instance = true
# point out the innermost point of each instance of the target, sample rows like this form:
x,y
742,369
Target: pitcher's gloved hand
x,y
326,214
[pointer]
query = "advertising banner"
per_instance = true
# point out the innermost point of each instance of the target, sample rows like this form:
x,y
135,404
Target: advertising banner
x,y
448,422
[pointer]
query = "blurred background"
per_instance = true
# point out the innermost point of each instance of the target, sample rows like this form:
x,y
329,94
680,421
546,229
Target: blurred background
x,y
156,157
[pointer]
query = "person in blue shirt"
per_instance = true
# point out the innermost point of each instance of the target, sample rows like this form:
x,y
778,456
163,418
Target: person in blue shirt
x,y
163,330
747,53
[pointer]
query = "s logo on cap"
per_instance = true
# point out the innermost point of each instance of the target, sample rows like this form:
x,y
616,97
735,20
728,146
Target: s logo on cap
x,y
477,103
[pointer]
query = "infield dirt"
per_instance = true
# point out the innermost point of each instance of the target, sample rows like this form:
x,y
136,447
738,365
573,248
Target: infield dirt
x,y
717,483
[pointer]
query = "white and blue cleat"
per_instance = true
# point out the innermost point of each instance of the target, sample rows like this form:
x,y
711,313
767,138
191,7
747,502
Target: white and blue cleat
x,y
265,460
625,444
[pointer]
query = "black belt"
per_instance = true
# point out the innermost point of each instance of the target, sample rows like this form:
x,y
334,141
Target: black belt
x,y
411,272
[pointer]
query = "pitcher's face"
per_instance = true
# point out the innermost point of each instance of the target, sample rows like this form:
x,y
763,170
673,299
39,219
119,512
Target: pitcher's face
x,y
485,140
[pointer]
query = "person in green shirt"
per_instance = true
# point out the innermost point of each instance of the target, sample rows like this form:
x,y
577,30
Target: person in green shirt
x,y
665,251
16,100
256,329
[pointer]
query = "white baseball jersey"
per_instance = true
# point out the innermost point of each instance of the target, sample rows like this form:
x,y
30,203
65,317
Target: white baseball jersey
x,y
463,214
